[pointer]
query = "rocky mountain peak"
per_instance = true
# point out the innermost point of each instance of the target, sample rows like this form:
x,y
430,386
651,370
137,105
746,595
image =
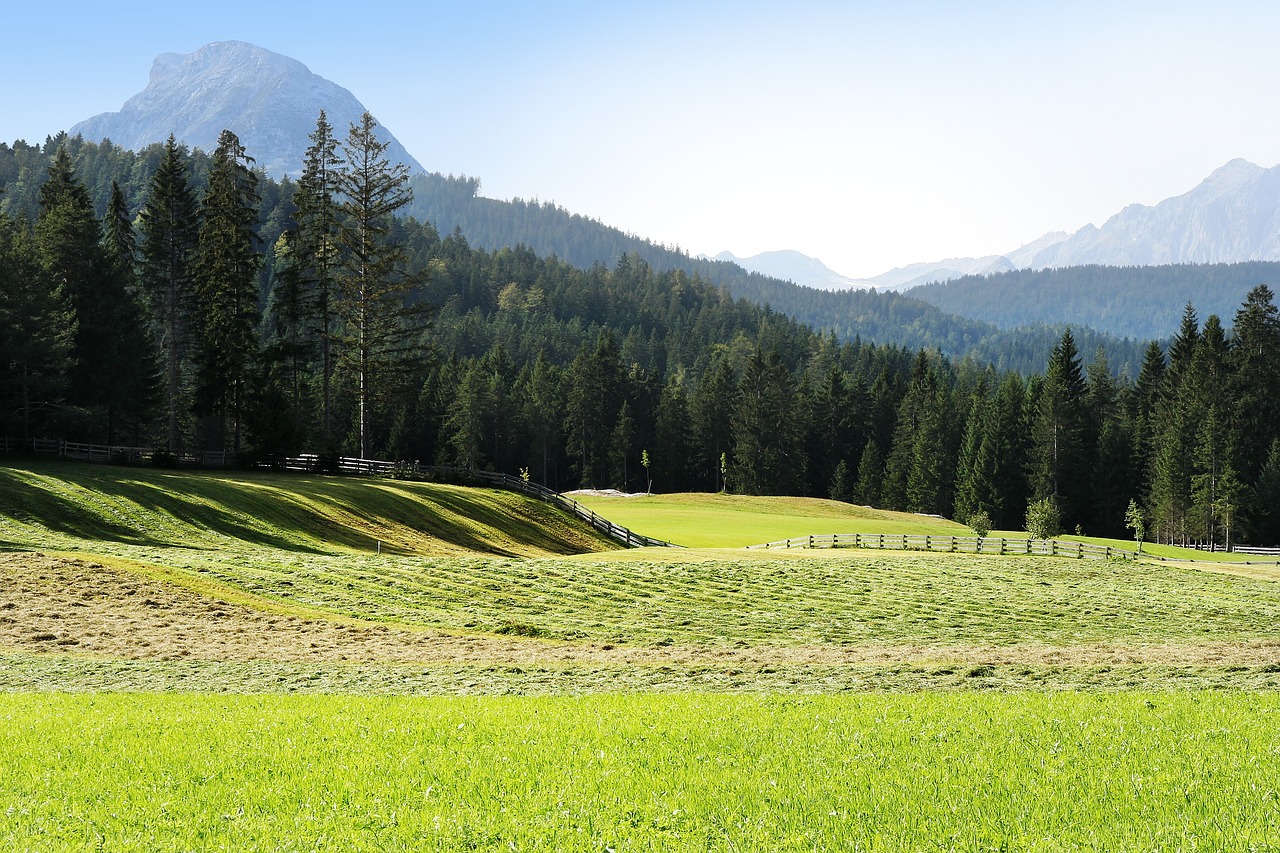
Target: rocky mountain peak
x,y
270,101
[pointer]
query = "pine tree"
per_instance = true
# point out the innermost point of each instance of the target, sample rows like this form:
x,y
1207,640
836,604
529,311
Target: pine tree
x,y
1142,404
1011,440
672,457
622,447
380,326
68,236
169,228
911,471
1255,370
711,408
541,402
227,260
870,474
37,336
1059,461
768,456
976,467
289,343
465,424
594,398
132,383
1266,519
316,255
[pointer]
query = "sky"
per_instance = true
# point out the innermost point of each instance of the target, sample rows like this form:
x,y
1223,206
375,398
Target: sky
x,y
868,135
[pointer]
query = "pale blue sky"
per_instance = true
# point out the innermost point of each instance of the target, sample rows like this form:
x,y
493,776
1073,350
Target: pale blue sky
x,y
870,135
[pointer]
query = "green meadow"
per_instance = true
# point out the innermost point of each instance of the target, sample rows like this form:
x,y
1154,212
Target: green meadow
x,y
226,661
737,521
922,771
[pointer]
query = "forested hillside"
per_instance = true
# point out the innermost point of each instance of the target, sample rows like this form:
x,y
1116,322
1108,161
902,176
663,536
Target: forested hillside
x,y
452,203
1141,303
219,310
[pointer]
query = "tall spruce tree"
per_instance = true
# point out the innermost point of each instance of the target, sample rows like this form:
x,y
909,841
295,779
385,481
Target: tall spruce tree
x,y
768,443
227,263
711,409
593,399
68,236
169,224
1059,460
380,327
315,256
132,383
1255,370
37,337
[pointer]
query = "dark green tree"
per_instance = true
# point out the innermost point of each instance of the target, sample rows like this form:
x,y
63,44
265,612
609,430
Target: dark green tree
x,y
315,256
227,262
768,444
381,328
540,396
37,336
68,236
169,228
1255,371
594,397
672,464
1059,460
870,474
711,408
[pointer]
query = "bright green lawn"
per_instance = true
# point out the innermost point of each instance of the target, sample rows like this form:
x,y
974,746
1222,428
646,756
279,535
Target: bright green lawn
x,y
736,521
1033,772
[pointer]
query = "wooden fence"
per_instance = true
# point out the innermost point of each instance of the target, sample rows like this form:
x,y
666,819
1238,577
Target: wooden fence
x,y
956,544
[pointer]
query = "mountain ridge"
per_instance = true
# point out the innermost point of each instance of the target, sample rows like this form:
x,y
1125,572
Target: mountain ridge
x,y
269,100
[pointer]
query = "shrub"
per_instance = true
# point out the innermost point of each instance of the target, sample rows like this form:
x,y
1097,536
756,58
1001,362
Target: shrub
x,y
1044,519
980,523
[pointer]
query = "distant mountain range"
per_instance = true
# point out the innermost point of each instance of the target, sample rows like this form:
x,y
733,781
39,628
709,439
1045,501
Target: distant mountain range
x,y
1232,216
270,101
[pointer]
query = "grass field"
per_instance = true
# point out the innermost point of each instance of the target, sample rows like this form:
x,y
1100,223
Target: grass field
x,y
59,504
884,772
737,521
192,661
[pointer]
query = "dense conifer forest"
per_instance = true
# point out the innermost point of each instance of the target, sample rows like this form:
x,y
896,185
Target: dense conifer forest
x,y
1141,303
181,300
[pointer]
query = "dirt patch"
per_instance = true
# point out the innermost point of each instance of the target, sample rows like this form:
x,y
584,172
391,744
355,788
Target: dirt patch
x,y
59,605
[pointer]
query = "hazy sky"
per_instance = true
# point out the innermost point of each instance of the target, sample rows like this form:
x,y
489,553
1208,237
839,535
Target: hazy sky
x,y
870,135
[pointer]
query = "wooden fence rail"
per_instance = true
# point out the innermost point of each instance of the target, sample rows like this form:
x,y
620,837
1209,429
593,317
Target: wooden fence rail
x,y
956,544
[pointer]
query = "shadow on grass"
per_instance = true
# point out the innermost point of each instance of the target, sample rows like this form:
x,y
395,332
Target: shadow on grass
x,y
25,498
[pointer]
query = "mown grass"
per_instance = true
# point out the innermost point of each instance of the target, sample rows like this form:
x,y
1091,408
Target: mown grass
x,y
736,521
1133,771
68,502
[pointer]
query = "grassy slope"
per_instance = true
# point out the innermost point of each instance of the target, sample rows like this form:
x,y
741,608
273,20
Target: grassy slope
x,y
66,505
736,521
300,549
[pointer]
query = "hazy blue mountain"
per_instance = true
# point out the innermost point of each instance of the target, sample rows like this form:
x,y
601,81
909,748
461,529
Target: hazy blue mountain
x,y
1231,216
270,101
789,265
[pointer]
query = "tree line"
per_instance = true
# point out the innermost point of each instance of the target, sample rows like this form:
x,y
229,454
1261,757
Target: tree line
x,y
453,204
226,311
